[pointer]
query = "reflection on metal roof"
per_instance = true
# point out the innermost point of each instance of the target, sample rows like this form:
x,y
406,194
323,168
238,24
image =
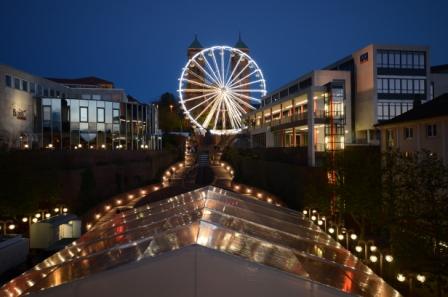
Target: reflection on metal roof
x,y
217,219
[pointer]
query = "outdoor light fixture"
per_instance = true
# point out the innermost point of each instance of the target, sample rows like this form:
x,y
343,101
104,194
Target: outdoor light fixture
x,y
331,230
353,236
130,196
118,201
358,248
11,227
37,215
143,192
373,248
389,258
373,258
269,200
421,278
47,215
401,278
88,226
313,217
97,216
107,207
24,219
103,146
65,210
56,209
320,222
340,236
34,220
305,212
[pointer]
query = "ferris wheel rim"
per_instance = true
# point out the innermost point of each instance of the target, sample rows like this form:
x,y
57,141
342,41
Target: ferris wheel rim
x,y
237,96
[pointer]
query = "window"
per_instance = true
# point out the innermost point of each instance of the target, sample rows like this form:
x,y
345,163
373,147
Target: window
x,y
39,90
116,116
400,59
17,83
46,113
100,115
408,133
24,85
45,92
8,81
431,130
51,93
32,88
83,114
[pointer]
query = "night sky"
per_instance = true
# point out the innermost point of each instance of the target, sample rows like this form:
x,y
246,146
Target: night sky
x,y
141,44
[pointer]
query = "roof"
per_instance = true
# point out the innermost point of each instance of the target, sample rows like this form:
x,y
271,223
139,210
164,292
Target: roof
x,y
240,43
132,99
227,223
88,80
434,108
195,43
440,68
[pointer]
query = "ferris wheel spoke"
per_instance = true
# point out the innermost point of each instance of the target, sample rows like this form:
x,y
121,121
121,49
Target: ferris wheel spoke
x,y
248,91
238,105
203,102
198,83
251,83
217,68
229,62
197,97
207,63
234,69
243,96
197,90
217,114
230,115
223,74
233,84
205,109
195,75
234,108
243,101
213,79
209,116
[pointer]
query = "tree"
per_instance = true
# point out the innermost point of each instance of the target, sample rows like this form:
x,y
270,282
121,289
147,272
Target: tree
x,y
415,199
171,117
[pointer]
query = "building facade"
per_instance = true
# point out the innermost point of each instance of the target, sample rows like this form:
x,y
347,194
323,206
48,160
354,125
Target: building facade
x,y
387,80
312,111
72,114
345,101
423,128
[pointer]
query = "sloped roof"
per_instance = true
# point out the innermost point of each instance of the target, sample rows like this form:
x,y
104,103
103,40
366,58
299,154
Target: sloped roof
x,y
88,80
240,43
434,108
216,219
195,43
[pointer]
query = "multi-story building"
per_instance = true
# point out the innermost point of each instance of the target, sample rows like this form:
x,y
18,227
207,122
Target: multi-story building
x,y
387,80
79,113
312,111
380,82
425,127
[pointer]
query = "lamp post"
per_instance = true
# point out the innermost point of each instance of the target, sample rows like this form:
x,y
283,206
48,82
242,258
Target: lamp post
x,y
7,225
420,278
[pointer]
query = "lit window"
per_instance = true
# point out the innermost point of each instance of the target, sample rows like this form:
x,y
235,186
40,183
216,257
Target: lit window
x,y
83,112
46,113
116,116
100,115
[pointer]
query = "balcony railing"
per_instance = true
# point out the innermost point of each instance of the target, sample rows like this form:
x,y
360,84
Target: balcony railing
x,y
320,114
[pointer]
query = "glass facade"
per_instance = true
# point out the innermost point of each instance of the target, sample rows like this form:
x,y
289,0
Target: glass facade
x,y
400,59
93,124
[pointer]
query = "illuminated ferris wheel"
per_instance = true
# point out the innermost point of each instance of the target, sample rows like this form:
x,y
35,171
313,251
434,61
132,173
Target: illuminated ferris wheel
x,y
218,86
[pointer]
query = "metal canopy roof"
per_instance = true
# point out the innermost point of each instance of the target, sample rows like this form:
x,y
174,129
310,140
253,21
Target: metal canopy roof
x,y
217,219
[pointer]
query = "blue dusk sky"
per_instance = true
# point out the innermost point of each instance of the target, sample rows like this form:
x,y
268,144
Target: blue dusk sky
x,y
141,44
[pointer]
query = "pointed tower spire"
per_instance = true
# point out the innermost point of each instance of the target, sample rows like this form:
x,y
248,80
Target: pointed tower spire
x,y
240,43
195,43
